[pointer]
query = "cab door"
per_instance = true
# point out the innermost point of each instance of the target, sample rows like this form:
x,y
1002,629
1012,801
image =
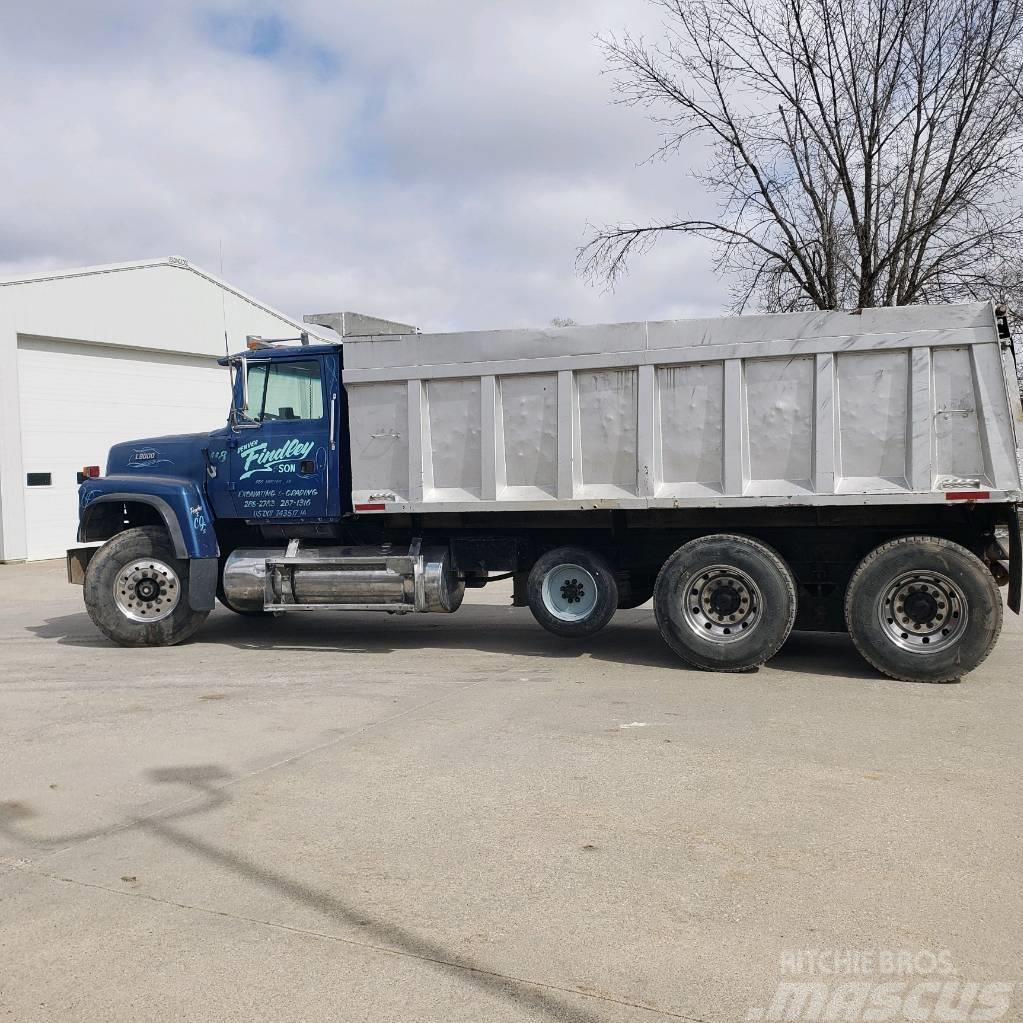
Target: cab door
x,y
283,461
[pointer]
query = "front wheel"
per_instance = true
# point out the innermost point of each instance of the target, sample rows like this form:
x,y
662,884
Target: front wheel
x,y
725,603
136,590
923,609
572,592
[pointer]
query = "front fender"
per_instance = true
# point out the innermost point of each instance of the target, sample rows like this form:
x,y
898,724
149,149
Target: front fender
x,y
180,503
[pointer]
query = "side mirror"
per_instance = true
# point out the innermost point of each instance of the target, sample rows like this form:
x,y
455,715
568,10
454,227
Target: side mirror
x,y
240,415
238,364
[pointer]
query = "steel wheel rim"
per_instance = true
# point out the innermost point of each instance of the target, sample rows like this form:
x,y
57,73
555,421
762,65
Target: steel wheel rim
x,y
923,612
721,603
569,593
146,590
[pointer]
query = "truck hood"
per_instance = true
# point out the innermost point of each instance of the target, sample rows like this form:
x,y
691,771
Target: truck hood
x,y
177,455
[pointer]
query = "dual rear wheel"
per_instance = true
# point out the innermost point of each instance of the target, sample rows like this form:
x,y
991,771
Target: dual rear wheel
x,y
917,608
923,609
725,603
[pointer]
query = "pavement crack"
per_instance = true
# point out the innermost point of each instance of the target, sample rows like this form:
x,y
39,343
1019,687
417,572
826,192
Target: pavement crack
x,y
368,946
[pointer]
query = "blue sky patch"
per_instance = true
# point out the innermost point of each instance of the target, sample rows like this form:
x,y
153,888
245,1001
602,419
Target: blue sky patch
x,y
270,37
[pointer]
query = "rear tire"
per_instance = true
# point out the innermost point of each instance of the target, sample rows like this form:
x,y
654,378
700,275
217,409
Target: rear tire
x,y
725,602
572,592
923,609
136,590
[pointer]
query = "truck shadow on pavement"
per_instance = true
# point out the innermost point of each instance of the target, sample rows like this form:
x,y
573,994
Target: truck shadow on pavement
x,y
631,638
207,785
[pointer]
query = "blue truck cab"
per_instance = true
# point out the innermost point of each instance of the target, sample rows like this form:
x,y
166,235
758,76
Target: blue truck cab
x,y
180,504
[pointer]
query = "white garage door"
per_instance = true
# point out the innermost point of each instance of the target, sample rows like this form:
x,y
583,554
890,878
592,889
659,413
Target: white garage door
x,y
77,400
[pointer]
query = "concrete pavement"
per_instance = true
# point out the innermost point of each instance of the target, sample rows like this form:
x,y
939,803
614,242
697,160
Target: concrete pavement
x,y
356,817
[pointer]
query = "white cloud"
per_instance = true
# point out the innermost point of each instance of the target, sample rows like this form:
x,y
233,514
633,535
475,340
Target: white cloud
x,y
432,162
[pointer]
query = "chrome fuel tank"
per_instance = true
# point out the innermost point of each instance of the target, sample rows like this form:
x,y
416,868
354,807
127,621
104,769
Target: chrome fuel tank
x,y
354,578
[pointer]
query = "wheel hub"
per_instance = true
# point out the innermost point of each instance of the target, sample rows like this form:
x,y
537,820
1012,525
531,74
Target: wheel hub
x,y
147,590
923,612
921,607
569,593
721,603
725,601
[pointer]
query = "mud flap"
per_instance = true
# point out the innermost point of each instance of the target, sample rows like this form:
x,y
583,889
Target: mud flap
x,y
202,583
1015,560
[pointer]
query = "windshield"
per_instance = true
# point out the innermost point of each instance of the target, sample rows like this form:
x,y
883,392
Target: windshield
x,y
284,391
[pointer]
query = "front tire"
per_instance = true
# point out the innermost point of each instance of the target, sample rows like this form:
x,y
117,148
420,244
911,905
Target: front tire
x,y
572,592
923,609
136,590
725,603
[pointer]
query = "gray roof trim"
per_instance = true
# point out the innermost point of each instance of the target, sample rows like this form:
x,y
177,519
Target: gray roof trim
x,y
174,261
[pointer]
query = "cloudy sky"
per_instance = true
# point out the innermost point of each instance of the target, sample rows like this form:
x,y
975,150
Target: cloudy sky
x,y
434,161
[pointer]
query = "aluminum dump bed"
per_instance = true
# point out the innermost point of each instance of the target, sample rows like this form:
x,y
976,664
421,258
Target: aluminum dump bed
x,y
883,406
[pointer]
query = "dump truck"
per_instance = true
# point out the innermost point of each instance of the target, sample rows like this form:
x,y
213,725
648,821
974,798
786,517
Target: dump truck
x,y
824,471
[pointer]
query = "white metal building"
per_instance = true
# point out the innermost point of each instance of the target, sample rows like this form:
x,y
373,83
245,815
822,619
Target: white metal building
x,y
103,354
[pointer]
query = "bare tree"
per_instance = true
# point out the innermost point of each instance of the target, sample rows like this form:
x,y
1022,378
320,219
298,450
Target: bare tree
x,y
863,152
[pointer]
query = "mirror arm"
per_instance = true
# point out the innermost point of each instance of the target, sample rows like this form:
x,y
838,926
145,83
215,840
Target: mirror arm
x,y
239,418
245,386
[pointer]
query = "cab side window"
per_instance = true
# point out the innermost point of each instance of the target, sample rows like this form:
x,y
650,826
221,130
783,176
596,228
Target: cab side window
x,y
285,391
